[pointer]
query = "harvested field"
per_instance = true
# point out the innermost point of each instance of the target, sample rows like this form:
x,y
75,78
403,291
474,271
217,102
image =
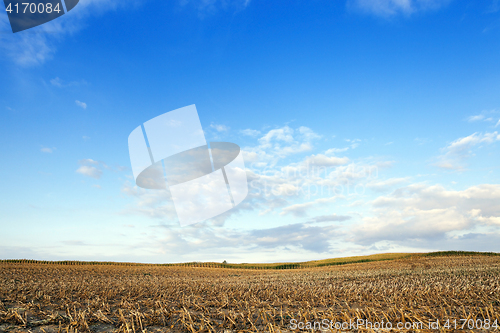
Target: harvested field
x,y
119,298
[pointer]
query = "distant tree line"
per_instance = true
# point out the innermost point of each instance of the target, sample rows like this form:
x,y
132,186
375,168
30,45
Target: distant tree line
x,y
224,264
187,264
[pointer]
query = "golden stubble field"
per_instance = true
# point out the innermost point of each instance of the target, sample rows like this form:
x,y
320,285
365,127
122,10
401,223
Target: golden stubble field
x,y
98,298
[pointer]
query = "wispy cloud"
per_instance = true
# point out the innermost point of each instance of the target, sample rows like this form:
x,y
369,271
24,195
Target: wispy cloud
x,y
81,104
57,82
385,185
494,6
325,161
330,218
422,141
387,8
300,210
88,161
476,118
211,7
47,150
219,127
25,48
250,132
94,169
314,239
460,145
458,150
281,142
485,115
354,142
336,150
74,243
89,171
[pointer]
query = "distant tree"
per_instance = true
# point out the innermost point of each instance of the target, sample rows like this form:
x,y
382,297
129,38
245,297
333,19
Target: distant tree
x,y
224,262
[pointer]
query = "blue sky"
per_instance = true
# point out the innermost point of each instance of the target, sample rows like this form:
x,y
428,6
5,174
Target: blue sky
x,y
394,103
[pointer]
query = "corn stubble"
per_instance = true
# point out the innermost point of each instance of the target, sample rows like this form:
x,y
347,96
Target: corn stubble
x,y
59,298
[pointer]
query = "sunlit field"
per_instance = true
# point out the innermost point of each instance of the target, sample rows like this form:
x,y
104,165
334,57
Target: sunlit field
x,y
416,292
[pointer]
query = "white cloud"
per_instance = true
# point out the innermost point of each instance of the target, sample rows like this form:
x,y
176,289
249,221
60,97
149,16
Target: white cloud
x,y
387,8
423,213
210,7
475,118
284,134
485,115
57,82
295,149
250,132
422,141
88,161
462,144
286,141
47,150
354,143
279,143
292,237
25,49
89,171
81,104
155,204
309,238
384,185
498,123
307,134
425,197
325,161
219,128
448,165
315,179
357,203
492,220
300,210
330,218
336,150
458,150
94,169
